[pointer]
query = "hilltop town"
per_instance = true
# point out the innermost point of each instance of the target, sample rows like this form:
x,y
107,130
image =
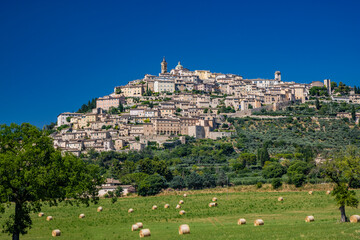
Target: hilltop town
x,y
165,109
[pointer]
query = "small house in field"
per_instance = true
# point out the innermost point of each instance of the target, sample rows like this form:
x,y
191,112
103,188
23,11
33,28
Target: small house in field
x,y
111,184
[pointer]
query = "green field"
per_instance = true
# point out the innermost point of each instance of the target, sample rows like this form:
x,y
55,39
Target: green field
x,y
283,220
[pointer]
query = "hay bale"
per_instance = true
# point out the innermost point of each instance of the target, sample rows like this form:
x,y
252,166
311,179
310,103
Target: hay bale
x,y
310,192
145,233
184,229
49,218
82,215
241,221
140,224
41,214
214,199
99,209
134,227
328,192
258,222
56,233
280,199
166,206
182,212
355,218
181,202
212,204
154,207
185,195
309,219
130,210
178,206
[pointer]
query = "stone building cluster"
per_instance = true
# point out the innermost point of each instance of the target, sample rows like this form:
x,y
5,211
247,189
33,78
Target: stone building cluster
x,y
163,109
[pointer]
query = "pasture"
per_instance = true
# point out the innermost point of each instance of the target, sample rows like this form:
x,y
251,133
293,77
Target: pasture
x,y
283,219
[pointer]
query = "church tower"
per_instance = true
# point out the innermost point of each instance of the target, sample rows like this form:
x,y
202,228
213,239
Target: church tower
x,y
164,66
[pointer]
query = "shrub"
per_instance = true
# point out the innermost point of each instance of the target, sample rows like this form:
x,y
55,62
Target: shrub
x,y
152,185
274,170
298,179
177,183
194,181
276,183
259,185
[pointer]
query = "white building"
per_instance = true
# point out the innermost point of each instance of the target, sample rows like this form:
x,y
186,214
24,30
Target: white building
x,y
62,118
164,86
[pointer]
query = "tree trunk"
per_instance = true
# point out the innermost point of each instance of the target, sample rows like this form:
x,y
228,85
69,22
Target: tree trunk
x,y
343,215
17,221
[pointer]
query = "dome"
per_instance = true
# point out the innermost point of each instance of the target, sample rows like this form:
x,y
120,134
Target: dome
x,y
179,66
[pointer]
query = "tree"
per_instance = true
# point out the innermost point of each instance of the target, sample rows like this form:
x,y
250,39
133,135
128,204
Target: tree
x,y
263,156
276,183
121,107
317,104
152,185
353,113
177,183
209,180
222,179
118,191
343,167
194,181
274,170
34,173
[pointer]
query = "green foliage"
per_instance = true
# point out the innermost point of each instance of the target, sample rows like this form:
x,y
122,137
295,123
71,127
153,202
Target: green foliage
x,y
177,183
276,183
262,156
318,91
209,180
33,172
222,179
118,191
297,167
194,181
298,179
85,108
259,185
62,127
152,185
342,169
274,170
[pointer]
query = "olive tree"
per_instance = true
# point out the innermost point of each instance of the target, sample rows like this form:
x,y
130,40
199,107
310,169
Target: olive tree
x,y
341,169
34,173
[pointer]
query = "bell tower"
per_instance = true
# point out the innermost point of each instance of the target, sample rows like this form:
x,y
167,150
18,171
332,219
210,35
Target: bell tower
x,y
164,66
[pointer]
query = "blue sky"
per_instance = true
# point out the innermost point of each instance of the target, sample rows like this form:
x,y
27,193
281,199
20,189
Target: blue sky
x,y
56,55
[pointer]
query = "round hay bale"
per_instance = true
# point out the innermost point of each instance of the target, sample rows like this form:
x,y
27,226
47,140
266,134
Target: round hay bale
x,y
49,218
241,221
310,192
328,192
145,233
184,229
214,199
154,207
166,206
182,212
82,215
140,224
309,219
130,210
212,204
280,199
181,202
99,209
41,214
178,206
355,218
134,227
185,195
258,222
56,233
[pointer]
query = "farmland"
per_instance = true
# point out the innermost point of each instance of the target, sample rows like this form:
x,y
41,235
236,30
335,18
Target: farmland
x,y
283,220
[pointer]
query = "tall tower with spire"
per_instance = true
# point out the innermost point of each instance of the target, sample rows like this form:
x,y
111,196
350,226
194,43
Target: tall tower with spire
x,y
164,66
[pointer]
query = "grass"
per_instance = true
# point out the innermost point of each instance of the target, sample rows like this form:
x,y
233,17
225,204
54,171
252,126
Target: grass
x,y
283,220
